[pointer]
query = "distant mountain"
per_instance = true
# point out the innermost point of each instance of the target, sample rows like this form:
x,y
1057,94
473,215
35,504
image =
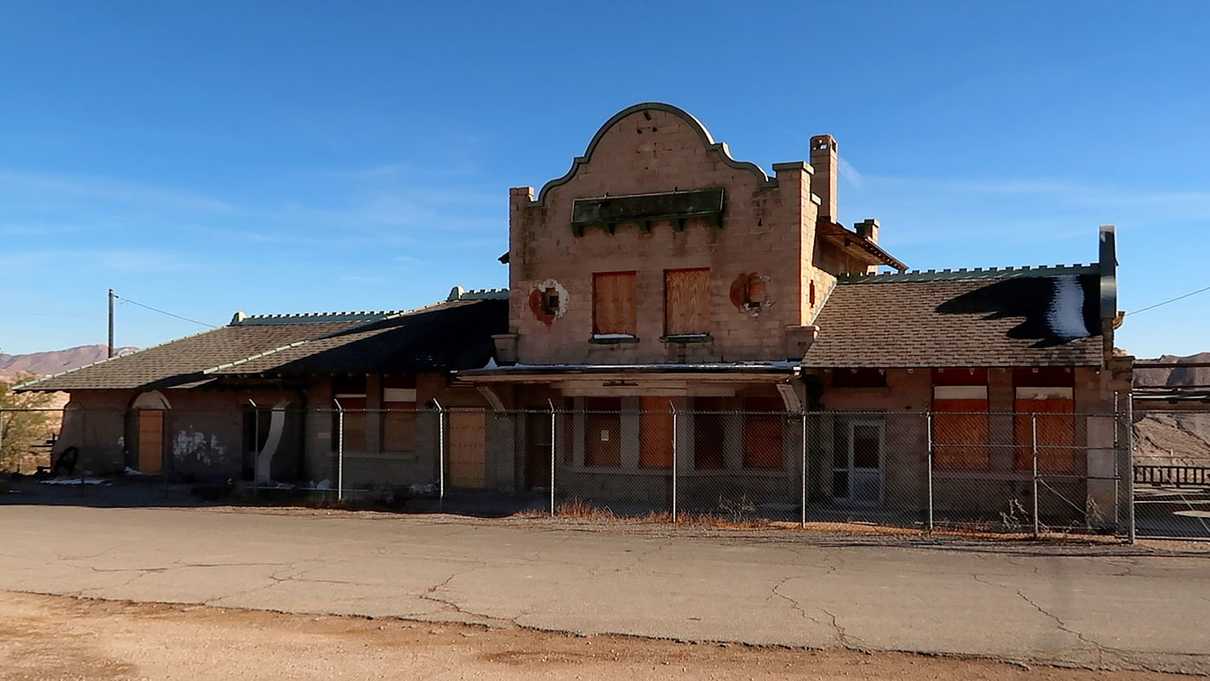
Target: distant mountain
x,y
53,362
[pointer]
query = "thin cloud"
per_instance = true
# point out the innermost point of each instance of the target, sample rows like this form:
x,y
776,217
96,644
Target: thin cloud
x,y
128,261
850,174
108,190
1064,191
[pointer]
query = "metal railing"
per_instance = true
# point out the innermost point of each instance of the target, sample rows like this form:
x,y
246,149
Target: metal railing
x,y
1177,476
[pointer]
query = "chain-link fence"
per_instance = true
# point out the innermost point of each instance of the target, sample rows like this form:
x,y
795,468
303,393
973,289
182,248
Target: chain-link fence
x,y
934,471
968,472
1171,470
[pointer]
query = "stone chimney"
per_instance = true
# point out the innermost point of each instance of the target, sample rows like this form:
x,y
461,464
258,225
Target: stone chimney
x,y
868,229
825,160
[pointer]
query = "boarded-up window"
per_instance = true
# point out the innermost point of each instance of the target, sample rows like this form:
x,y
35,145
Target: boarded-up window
x,y
613,303
467,449
603,431
710,416
1053,408
655,432
686,301
399,415
763,422
961,429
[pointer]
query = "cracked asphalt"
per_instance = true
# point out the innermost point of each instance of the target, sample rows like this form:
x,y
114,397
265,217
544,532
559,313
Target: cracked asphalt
x,y
1099,608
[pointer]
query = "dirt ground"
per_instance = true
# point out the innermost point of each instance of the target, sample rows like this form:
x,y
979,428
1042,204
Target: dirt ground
x,y
48,638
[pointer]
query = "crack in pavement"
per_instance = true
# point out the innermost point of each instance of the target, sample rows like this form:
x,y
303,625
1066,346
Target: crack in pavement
x,y
430,595
1120,655
796,606
842,635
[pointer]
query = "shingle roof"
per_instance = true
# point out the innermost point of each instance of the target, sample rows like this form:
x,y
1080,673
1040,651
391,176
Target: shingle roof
x,y
456,332
1001,317
176,361
455,335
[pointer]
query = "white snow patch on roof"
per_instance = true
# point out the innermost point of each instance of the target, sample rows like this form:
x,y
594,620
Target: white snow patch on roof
x,y
1066,314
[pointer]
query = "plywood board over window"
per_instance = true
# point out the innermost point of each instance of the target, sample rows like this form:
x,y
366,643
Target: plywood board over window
x,y
468,449
655,432
686,301
763,422
614,303
961,429
1052,409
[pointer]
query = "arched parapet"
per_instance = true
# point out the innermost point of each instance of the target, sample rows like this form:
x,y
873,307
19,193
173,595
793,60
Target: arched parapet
x,y
718,149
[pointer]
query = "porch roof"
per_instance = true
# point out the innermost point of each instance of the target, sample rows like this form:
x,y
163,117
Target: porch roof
x,y
766,371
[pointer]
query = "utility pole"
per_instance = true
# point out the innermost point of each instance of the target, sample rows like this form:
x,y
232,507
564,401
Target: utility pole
x,y
111,297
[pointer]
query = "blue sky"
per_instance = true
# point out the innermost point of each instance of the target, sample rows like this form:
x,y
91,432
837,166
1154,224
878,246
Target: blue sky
x,y
209,157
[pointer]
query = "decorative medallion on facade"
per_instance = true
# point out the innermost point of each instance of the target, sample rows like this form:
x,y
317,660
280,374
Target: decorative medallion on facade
x,y
750,293
548,301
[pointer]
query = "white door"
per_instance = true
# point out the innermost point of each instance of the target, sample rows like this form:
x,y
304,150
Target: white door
x,y
857,477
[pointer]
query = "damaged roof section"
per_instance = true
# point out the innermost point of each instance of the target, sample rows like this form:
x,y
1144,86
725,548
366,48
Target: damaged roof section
x,y
185,359
1003,317
452,334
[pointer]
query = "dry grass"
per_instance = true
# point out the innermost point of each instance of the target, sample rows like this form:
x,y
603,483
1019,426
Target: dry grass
x,y
582,512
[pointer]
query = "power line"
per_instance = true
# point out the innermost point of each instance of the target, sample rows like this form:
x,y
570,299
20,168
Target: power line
x,y
163,312
1170,300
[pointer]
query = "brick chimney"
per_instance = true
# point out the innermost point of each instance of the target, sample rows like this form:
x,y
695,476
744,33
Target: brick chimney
x,y
868,229
825,160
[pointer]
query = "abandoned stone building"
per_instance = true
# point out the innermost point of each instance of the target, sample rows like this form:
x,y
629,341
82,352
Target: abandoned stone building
x,y
661,275
260,399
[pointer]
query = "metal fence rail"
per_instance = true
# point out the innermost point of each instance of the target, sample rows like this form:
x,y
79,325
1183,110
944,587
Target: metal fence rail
x,y
926,472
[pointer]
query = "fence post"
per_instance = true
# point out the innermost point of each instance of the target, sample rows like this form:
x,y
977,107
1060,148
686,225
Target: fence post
x,y
340,451
803,520
553,458
929,460
2,438
1129,473
440,454
675,456
1033,426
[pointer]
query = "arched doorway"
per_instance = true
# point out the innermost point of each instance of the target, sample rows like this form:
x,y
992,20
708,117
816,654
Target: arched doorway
x,y
149,409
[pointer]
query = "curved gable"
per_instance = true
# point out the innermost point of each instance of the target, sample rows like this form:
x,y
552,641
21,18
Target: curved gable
x,y
621,138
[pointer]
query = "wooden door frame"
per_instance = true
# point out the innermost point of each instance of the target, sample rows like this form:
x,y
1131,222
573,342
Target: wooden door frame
x,y
849,456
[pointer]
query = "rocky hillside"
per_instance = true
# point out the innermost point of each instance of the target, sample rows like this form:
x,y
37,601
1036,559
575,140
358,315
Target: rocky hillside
x,y
1176,375
52,362
1180,438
